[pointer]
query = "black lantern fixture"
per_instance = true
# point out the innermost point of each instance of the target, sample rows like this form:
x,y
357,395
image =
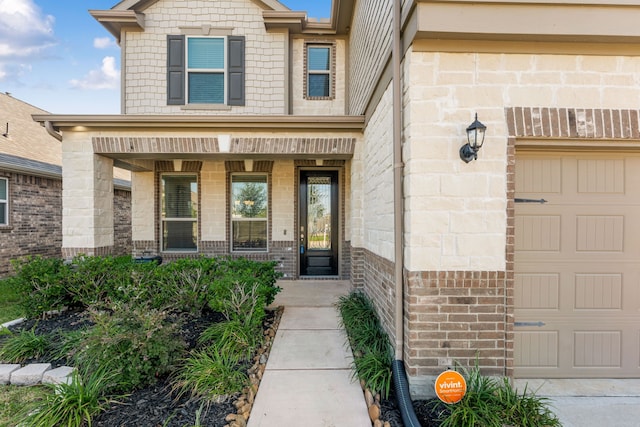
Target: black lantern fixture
x,y
475,139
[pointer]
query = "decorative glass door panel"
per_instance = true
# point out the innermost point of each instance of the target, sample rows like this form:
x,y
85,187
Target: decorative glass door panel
x,y
318,223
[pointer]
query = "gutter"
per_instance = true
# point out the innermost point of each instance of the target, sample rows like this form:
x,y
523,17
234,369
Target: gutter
x,y
399,374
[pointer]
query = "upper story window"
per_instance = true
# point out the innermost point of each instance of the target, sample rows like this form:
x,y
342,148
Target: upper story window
x,y
205,70
179,212
249,212
319,71
4,201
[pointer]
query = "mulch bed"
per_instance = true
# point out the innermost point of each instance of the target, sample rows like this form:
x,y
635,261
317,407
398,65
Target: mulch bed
x,y
155,406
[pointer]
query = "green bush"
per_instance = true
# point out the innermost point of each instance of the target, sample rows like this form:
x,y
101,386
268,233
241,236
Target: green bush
x,y
242,289
137,343
369,342
95,279
183,284
40,284
492,402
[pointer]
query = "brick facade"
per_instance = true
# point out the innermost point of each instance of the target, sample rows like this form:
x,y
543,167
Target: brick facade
x,y
35,215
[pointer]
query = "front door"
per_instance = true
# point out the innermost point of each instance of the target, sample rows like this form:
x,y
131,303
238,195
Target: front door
x,y
318,223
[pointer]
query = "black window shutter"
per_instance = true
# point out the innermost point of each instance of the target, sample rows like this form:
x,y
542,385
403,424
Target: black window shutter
x,y
236,70
175,70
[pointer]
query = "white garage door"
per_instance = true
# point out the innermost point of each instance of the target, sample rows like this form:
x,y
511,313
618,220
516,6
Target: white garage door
x,y
577,265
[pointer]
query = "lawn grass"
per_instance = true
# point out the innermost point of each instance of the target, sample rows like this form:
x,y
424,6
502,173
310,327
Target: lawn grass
x,y
13,400
9,308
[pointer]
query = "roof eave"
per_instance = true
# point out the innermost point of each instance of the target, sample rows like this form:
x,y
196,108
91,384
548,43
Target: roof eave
x,y
115,21
239,122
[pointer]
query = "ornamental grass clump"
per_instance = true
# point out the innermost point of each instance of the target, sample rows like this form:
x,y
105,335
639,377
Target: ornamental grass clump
x,y
493,402
24,345
369,342
72,404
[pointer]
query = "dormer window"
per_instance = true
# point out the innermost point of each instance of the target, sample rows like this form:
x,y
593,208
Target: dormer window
x,y
205,70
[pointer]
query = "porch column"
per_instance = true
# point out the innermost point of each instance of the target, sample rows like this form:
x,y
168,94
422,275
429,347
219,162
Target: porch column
x,y
87,198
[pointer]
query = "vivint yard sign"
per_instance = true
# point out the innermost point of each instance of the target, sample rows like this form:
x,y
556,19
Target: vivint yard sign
x,y
450,387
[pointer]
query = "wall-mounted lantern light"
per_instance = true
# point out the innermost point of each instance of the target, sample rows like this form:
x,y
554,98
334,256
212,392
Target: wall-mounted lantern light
x,y
475,139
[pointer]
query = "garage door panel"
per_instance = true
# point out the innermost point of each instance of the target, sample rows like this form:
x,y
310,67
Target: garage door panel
x,y
602,176
577,265
598,292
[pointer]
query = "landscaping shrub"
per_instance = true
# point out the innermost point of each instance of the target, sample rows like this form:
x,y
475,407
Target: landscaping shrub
x,y
369,342
234,337
96,279
73,404
40,284
492,402
210,374
137,343
24,345
184,283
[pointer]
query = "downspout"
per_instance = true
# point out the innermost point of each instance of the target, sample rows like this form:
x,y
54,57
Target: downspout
x,y
401,384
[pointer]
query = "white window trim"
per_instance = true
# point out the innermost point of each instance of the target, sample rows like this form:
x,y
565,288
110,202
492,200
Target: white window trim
x,y
232,219
188,71
5,203
163,219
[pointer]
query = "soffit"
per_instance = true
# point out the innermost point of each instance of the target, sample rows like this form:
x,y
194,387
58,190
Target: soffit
x,y
520,20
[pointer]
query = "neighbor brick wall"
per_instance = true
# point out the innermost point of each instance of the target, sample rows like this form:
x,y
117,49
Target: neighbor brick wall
x,y
35,215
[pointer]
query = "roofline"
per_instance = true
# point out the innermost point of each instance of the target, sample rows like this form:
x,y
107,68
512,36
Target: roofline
x,y
242,122
45,170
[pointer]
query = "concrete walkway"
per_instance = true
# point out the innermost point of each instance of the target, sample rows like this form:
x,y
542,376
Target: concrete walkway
x,y
307,380
590,402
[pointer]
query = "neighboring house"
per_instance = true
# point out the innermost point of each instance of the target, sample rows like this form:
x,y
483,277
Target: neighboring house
x,y
252,131
31,188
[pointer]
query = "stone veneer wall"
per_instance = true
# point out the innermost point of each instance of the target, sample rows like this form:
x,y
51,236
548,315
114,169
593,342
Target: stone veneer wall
x,y
35,219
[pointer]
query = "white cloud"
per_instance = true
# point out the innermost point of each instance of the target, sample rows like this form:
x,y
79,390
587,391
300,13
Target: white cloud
x,y
25,34
107,77
103,42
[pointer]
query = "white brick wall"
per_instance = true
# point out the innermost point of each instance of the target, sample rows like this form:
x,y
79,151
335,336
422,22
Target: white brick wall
x,y
456,212
213,201
283,200
87,194
145,53
142,206
372,184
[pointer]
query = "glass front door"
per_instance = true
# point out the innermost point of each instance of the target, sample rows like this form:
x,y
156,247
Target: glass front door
x,y
318,223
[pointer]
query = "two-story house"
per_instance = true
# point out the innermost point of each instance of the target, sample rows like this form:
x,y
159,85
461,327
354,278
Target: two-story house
x,y
335,149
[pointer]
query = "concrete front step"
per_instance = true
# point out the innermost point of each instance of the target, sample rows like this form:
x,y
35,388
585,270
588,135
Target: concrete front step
x,y
33,374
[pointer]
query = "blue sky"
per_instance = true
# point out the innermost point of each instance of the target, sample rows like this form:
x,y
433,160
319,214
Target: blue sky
x,y
55,56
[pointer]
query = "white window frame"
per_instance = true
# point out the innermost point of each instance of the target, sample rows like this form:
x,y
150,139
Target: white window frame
x,y
4,203
330,72
233,220
188,70
164,219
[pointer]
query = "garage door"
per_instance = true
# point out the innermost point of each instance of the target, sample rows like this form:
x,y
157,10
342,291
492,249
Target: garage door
x,y
577,265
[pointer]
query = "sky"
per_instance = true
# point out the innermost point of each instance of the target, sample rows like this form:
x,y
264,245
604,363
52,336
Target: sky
x,y
55,56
